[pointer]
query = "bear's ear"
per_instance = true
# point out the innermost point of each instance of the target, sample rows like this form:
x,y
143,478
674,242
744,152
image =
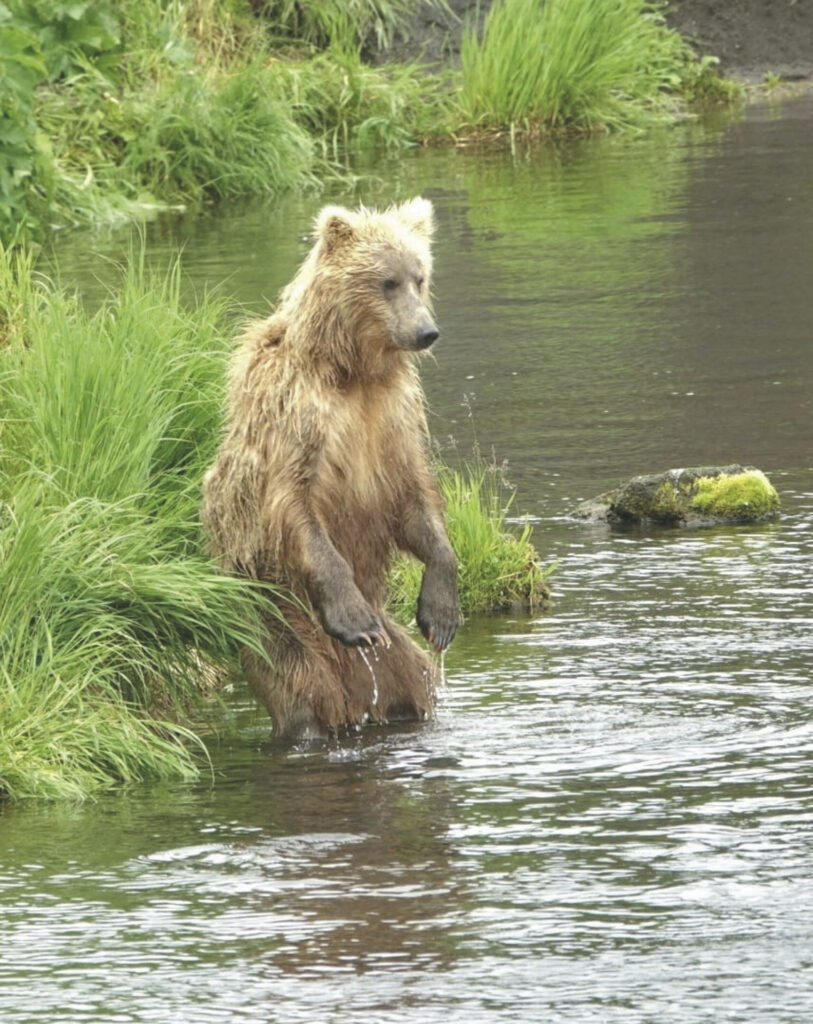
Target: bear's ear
x,y
334,227
418,215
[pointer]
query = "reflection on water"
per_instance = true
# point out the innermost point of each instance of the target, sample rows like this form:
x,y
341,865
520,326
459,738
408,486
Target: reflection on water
x,y
612,818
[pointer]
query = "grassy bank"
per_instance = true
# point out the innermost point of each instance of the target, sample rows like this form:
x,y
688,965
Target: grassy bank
x,y
577,65
113,109
115,629
113,625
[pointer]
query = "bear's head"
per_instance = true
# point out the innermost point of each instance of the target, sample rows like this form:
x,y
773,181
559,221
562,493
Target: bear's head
x,y
374,268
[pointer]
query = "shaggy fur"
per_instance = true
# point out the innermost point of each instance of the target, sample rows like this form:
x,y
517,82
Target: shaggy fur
x,y
323,475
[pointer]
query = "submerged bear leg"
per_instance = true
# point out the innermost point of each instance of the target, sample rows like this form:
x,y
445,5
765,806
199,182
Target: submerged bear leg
x,y
301,687
388,683
316,686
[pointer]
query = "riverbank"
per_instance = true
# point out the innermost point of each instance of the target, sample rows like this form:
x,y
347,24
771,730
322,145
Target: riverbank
x,y
113,111
114,627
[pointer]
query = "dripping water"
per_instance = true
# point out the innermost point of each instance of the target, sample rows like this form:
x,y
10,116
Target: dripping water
x,y
369,664
438,669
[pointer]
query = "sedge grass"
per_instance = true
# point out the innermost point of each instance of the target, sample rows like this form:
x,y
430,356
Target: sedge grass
x,y
576,64
498,566
215,134
346,105
103,632
206,134
113,623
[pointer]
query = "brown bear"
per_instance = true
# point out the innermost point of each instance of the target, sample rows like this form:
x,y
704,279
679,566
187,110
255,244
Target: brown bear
x,y
323,475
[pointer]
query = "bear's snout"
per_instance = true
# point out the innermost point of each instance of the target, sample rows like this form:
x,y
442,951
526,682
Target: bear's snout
x,y
426,336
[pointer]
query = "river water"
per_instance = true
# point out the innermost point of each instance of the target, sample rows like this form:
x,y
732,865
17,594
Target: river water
x,y
612,817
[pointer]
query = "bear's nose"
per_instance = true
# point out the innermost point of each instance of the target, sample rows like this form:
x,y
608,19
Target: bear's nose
x,y
425,336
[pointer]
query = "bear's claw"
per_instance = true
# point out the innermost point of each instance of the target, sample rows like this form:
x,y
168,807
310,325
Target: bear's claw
x,y
359,627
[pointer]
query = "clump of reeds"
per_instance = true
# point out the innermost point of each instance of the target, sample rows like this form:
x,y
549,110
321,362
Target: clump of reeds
x,y
113,623
204,132
576,64
498,566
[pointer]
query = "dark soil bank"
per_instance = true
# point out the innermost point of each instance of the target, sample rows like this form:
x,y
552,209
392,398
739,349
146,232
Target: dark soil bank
x,y
750,37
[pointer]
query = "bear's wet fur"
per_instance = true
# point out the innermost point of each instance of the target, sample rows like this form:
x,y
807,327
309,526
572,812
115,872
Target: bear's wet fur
x,y
323,474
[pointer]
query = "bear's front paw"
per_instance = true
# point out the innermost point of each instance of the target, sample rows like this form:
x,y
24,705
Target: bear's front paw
x,y
438,615
354,623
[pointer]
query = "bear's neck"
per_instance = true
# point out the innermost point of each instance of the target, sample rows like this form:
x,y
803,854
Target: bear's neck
x,y
346,374
330,349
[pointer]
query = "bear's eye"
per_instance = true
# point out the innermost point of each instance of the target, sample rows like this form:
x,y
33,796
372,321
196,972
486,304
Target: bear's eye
x,y
390,284
419,282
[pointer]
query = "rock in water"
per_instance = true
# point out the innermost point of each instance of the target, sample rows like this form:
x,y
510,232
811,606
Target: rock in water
x,y
701,496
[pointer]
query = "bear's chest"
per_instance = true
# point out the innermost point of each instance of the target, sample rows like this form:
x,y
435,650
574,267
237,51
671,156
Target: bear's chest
x,y
362,470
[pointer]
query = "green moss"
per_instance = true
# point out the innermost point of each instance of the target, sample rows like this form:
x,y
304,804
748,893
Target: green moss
x,y
748,495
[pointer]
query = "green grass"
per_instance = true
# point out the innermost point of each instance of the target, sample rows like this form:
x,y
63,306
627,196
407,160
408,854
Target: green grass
x,y
206,132
703,86
214,134
117,110
346,105
498,567
571,64
114,627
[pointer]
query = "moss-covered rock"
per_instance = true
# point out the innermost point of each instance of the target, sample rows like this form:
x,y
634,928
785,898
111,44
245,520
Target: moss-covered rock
x,y
701,496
